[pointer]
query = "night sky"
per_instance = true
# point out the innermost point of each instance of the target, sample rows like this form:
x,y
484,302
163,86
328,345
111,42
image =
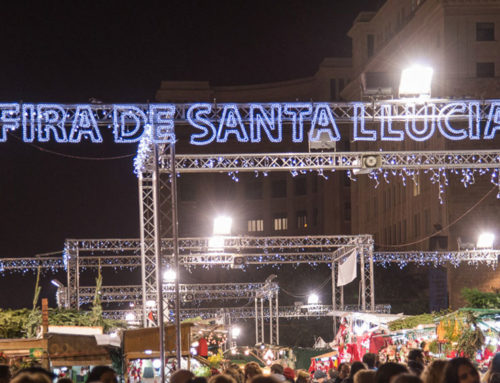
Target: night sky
x,y
118,51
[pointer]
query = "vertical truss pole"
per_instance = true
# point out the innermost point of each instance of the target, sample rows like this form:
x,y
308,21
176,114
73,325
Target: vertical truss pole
x,y
342,297
159,279
148,256
334,297
256,321
262,320
277,321
77,278
71,275
372,278
175,238
271,319
361,255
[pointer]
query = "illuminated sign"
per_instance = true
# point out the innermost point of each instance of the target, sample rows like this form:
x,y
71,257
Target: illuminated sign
x,y
252,123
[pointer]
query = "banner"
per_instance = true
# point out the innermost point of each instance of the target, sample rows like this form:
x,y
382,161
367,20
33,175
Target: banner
x,y
347,270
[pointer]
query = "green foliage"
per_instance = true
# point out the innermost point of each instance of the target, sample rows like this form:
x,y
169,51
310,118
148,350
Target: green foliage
x,y
471,337
15,323
480,300
96,318
412,321
203,371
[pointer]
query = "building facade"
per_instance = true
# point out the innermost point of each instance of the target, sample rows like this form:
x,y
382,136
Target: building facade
x,y
460,39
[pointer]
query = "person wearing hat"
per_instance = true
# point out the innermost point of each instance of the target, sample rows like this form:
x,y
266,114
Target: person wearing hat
x,y
319,376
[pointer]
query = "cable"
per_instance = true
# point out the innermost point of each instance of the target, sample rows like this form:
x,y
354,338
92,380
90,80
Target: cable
x,y
73,156
444,228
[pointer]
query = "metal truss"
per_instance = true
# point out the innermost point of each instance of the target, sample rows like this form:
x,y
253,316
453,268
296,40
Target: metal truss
x,y
248,312
189,292
209,163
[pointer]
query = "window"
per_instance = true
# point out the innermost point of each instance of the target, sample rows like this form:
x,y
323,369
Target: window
x,y
334,96
485,69
301,219
370,45
416,225
253,189
255,225
278,189
224,190
485,31
280,222
347,211
315,217
300,185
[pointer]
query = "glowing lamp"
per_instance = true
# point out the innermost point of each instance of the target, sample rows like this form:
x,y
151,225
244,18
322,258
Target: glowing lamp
x,y
485,241
169,276
416,81
222,225
235,332
313,299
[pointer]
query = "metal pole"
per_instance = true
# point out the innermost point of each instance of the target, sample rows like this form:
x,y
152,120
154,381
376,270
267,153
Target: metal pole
x,y
159,276
175,238
269,297
143,266
262,320
363,278
334,299
372,279
77,279
277,321
256,322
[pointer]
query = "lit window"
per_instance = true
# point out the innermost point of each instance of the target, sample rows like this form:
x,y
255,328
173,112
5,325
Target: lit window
x,y
255,225
280,222
485,69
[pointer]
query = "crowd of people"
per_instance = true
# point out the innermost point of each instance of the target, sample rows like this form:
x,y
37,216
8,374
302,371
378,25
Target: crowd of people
x,y
416,370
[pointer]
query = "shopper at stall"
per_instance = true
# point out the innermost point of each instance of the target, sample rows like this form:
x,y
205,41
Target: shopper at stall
x,y
277,372
319,376
252,369
181,376
355,367
221,378
389,370
364,376
303,377
4,373
460,370
494,368
103,374
416,361
31,377
289,374
433,373
370,359
407,378
344,369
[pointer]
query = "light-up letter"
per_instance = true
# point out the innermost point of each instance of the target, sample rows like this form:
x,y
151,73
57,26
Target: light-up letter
x,y
444,121
84,124
231,123
269,122
474,120
323,117
128,123
493,122
29,125
359,132
161,117
9,119
51,119
297,113
413,118
387,133
198,117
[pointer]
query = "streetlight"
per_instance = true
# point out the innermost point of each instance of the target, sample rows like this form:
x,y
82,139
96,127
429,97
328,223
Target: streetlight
x,y
169,276
222,225
485,241
235,332
416,81
313,299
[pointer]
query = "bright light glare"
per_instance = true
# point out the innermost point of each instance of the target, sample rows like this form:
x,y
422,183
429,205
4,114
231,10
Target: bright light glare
x,y
313,299
485,241
56,283
216,243
235,332
169,275
151,303
222,225
416,80
157,363
130,317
